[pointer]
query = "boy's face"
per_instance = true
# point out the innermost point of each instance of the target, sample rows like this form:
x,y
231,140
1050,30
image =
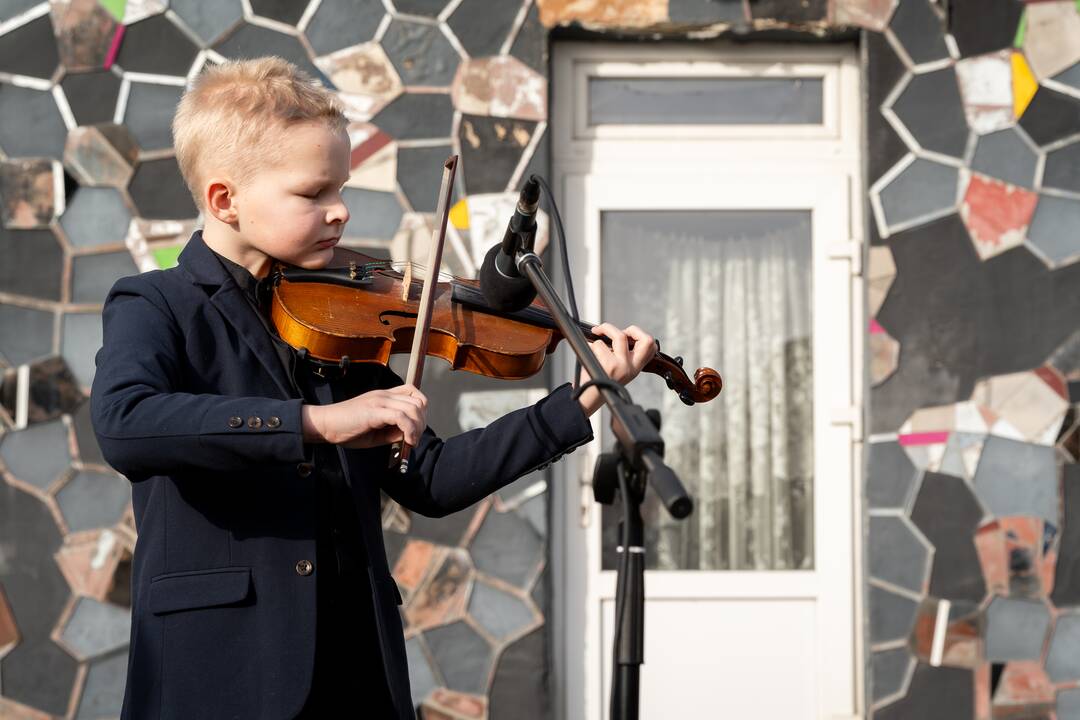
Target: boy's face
x,y
293,211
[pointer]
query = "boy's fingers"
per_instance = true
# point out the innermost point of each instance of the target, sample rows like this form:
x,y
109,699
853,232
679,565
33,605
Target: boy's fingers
x,y
618,340
644,345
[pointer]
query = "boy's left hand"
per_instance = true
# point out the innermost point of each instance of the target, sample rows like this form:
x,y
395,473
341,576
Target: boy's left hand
x,y
621,362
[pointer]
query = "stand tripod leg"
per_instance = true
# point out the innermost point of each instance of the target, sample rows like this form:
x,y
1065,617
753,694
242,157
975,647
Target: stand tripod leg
x,y
630,609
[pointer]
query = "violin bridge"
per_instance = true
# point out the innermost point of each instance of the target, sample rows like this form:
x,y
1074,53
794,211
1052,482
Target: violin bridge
x,y
406,283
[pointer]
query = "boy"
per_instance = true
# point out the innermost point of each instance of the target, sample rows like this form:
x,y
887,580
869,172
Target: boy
x,y
260,587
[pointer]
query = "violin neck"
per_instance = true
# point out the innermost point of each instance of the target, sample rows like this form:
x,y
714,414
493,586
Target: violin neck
x,y
537,315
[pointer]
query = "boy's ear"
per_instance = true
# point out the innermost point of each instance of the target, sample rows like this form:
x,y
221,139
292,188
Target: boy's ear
x,y
220,201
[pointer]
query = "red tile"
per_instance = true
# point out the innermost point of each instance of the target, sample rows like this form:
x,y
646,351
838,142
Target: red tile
x,y
996,214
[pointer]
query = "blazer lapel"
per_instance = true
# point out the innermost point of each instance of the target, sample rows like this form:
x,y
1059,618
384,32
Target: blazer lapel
x,y
204,268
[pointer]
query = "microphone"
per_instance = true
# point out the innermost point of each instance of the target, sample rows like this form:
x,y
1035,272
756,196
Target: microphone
x,y
503,287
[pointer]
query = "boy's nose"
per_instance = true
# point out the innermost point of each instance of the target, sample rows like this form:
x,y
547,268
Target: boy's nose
x,y
338,213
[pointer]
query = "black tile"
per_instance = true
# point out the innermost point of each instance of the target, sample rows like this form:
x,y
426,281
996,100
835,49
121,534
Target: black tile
x,y
490,150
896,555
482,26
155,45
340,24
11,8
39,674
1051,116
30,123
539,164
884,69
931,109
706,11
89,452
919,29
940,693
1006,156
1074,391
520,688
286,11
159,192
892,616
890,477
25,333
30,49
983,26
788,11
430,8
94,275
507,547
463,657
208,20
947,513
149,114
53,390
419,174
421,54
1063,168
33,263
252,41
448,530
92,95
373,214
888,670
530,45
417,115
541,592
394,542
1067,577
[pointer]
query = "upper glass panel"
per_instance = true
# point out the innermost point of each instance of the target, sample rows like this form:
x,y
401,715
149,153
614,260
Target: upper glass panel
x,y
705,101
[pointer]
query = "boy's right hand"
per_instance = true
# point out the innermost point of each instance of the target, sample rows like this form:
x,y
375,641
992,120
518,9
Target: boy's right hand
x,y
375,418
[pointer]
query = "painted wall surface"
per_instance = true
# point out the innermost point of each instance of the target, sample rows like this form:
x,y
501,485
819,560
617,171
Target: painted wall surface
x,y
972,492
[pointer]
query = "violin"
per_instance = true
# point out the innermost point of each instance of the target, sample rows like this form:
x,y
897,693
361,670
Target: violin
x,y
361,309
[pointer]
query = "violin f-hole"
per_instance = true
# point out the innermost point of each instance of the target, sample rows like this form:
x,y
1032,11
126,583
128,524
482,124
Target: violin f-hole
x,y
395,313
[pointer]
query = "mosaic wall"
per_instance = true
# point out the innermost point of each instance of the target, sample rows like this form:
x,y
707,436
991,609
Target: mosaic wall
x,y
973,493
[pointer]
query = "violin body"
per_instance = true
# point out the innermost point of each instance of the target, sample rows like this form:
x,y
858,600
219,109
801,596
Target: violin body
x,y
360,309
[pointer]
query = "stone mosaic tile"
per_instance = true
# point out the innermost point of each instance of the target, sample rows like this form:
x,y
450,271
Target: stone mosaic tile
x,y
80,339
1062,169
1031,551
208,20
947,513
869,14
11,8
884,354
92,95
373,161
919,29
156,244
419,175
993,556
463,657
1051,116
30,49
1023,690
890,670
500,87
923,189
996,214
481,26
1006,156
101,155
1068,704
417,115
95,628
1070,77
530,45
38,454
33,263
962,644
880,276
93,500
364,77
249,41
156,46
430,8
1015,629
149,113
1053,229
94,275
413,565
28,193
1063,657
883,73
103,693
611,15
452,705
931,109
1027,406
490,151
986,89
26,333
373,214
340,24
897,555
1067,577
40,676
983,27
506,547
1016,478
284,11
9,632
159,192
807,11
86,33
521,672
891,477
1052,37
935,693
500,613
421,53
50,391
441,597
487,222
892,616
421,678
1024,84
138,10
90,563
30,123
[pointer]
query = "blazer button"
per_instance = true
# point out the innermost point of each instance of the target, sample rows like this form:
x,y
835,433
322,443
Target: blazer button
x,y
254,421
273,421
304,568
304,469
235,422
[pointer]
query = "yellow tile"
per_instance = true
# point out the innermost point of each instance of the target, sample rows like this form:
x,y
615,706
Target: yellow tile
x,y
1024,84
459,215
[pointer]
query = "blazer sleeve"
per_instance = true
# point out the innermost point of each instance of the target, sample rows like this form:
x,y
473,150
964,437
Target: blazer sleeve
x,y
449,475
146,427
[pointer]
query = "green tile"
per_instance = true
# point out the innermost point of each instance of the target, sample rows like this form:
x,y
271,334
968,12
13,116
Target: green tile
x,y
166,257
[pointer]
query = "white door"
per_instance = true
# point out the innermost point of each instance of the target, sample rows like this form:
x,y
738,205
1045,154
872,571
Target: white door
x,y
734,244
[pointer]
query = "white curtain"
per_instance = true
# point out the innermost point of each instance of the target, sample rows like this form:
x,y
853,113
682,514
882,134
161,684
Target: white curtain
x,y
742,303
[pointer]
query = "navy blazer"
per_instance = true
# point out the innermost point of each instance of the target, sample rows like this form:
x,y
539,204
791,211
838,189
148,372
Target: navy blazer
x,y
191,403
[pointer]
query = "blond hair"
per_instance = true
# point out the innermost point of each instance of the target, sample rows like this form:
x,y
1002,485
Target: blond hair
x,y
233,113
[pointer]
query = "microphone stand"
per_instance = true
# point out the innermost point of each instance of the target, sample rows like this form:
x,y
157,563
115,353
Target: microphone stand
x,y
637,464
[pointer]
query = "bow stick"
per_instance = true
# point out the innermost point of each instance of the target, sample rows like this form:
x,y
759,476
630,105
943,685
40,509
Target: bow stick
x,y
399,451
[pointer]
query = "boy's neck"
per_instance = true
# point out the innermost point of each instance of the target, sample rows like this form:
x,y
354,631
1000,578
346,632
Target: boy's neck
x,y
229,244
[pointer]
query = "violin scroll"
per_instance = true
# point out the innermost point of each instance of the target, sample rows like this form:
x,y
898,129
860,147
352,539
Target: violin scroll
x,y
705,386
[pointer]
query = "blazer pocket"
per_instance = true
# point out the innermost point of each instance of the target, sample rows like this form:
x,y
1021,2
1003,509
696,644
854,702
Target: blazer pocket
x,y
199,589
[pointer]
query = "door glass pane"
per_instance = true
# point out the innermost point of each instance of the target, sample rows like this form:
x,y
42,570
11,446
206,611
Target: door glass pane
x,y
705,101
729,290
